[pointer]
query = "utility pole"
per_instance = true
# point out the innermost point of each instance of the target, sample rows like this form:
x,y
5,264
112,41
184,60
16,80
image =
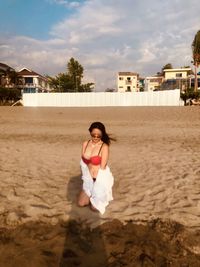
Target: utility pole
x,y
59,84
195,74
76,77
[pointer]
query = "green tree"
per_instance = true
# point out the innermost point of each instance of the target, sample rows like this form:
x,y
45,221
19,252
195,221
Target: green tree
x,y
167,66
196,56
53,81
189,94
9,78
71,81
9,95
65,83
13,77
86,87
61,83
75,71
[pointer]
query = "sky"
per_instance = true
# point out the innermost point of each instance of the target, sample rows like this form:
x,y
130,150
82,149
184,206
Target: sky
x,y
105,36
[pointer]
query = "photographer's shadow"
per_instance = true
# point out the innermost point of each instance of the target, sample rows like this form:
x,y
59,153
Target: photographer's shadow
x,y
83,244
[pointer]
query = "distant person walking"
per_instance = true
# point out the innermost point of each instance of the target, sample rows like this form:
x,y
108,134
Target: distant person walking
x,y
96,175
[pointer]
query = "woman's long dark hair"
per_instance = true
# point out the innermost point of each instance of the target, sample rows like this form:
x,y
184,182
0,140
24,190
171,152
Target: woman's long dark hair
x,y
105,137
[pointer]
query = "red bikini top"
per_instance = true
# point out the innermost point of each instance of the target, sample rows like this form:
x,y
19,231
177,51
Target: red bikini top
x,y
94,160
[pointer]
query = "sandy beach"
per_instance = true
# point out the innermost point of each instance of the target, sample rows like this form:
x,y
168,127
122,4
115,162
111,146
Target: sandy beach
x,y
156,166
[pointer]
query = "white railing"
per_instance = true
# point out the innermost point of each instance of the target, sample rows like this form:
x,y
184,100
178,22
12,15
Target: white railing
x,y
158,98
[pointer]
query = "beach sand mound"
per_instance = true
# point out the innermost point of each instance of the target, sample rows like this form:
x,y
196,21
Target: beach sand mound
x,y
112,244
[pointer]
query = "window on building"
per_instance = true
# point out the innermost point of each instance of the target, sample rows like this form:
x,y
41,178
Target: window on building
x,y
129,79
128,89
121,78
178,75
28,80
120,86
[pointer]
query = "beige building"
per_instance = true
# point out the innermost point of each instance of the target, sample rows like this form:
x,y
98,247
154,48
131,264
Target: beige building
x,y
177,78
128,82
153,83
172,79
181,73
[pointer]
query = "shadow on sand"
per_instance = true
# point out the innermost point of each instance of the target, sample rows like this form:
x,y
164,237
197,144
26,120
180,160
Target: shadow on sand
x,y
112,244
83,245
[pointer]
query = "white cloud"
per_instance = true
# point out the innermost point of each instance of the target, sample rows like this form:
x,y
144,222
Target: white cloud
x,y
66,3
87,24
107,36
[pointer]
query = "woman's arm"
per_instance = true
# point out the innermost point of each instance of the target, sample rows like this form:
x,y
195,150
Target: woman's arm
x,y
104,156
83,148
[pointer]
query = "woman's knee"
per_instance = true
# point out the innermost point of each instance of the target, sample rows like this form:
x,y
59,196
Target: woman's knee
x,y
83,200
81,203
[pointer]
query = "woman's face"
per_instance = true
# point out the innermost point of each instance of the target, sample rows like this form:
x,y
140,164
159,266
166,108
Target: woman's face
x,y
96,135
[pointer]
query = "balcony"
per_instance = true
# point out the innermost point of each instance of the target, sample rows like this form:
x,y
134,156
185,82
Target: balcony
x,y
29,85
128,82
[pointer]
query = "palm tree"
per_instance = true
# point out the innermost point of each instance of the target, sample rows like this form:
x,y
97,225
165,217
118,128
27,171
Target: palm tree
x,y
9,77
196,56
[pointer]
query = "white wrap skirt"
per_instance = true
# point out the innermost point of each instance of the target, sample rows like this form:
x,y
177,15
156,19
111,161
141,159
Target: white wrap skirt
x,y
100,191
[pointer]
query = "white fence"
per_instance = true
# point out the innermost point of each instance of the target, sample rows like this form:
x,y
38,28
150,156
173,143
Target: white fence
x,y
158,98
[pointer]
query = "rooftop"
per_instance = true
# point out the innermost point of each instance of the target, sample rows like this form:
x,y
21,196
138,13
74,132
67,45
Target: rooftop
x,y
181,69
5,67
27,72
128,73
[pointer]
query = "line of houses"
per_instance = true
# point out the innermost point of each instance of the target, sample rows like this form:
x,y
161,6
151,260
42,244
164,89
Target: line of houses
x,y
30,81
181,78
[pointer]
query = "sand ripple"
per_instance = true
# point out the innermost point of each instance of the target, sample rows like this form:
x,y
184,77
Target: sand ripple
x,y
155,163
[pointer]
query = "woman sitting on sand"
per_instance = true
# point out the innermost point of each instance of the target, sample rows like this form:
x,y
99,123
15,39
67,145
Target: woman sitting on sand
x,y
96,175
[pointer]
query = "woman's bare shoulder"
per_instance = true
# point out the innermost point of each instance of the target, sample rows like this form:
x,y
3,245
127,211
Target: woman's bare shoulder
x,y
105,146
85,143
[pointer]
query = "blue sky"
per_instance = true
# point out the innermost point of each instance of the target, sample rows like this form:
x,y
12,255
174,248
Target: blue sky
x,y
32,18
105,36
